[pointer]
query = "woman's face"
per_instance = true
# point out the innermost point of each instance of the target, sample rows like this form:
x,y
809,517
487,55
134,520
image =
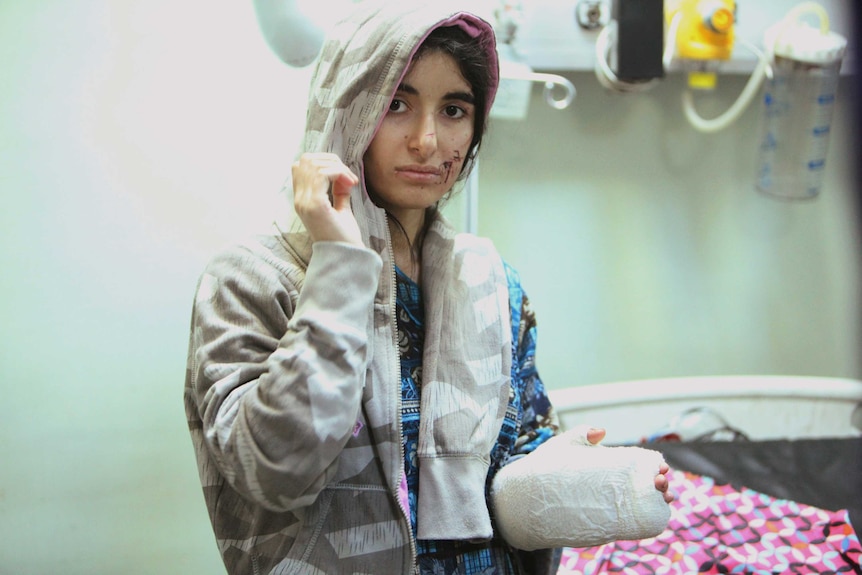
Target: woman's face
x,y
420,147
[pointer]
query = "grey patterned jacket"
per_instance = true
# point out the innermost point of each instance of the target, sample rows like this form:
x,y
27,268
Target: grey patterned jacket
x,y
293,387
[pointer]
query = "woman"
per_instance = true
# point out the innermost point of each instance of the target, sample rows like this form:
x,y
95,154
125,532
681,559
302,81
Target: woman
x,y
336,369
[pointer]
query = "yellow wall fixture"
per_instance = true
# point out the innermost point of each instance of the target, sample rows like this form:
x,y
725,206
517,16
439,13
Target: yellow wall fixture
x,y
700,36
703,32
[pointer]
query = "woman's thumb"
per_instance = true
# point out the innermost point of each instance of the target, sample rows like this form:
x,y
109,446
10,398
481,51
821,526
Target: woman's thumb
x,y
341,192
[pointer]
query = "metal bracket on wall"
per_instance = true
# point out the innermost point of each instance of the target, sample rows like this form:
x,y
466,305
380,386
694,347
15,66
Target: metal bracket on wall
x,y
592,14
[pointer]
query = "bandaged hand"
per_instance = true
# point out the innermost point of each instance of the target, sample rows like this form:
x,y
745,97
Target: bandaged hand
x,y
572,493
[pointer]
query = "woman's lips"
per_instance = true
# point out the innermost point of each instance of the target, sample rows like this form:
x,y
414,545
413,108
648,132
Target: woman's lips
x,y
420,174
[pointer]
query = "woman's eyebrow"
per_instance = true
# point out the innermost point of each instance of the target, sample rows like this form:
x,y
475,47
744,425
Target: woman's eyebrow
x,y
466,97
407,89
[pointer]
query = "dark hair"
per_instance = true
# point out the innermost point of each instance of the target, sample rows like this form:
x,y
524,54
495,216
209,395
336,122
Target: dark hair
x,y
472,57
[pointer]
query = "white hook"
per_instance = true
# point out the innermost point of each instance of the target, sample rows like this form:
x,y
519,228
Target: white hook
x,y
552,82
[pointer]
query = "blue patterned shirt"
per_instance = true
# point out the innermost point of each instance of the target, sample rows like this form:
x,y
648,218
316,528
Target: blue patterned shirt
x,y
528,422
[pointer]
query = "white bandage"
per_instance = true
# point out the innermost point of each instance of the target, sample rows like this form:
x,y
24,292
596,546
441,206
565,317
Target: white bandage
x,y
570,493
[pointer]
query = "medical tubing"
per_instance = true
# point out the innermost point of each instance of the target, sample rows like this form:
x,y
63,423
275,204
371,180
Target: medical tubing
x,y
736,109
670,45
609,79
810,7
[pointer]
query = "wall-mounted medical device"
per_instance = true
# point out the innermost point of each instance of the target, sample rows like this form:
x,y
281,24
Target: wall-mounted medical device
x,y
639,39
792,49
629,48
702,34
800,62
560,35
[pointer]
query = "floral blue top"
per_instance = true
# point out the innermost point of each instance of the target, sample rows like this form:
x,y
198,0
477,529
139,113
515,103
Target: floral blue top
x,y
529,421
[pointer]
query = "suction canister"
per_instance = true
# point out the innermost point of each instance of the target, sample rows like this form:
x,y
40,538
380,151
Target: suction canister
x,y
798,103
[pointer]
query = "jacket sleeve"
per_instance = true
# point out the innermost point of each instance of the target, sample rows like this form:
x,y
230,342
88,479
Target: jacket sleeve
x,y
276,373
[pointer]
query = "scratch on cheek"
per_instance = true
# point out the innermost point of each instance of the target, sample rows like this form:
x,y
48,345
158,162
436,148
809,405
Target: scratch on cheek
x,y
447,166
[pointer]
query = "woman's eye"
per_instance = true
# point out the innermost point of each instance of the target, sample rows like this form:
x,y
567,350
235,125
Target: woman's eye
x,y
453,111
397,105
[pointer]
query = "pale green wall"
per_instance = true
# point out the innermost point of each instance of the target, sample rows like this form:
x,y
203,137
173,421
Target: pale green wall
x,y
136,137
647,252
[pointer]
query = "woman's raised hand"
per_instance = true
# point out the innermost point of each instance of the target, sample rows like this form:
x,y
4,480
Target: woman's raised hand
x,y
316,176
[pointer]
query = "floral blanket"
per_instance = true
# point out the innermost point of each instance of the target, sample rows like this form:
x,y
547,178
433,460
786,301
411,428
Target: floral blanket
x,y
716,528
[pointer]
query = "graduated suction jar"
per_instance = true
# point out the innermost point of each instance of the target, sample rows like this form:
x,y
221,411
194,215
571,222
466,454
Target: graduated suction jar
x,y
798,104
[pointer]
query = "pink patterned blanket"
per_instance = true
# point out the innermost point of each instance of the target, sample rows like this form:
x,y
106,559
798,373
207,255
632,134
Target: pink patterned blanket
x,y
719,529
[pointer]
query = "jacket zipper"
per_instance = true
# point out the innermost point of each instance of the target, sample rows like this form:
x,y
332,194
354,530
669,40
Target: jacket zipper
x,y
397,370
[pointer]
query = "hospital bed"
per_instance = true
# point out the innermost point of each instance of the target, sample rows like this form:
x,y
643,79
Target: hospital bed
x,y
767,472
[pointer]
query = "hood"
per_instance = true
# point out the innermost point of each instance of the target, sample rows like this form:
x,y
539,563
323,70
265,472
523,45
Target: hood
x,y
363,60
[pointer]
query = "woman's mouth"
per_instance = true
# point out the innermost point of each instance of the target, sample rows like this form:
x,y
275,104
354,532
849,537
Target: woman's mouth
x,y
419,173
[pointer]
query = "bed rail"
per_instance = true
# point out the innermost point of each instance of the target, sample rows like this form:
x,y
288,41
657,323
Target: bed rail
x,y
761,406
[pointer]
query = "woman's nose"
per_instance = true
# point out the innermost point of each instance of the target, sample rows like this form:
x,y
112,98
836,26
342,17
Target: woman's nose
x,y
423,139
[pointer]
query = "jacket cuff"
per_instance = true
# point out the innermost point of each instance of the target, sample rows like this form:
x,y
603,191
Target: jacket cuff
x,y
340,277
452,499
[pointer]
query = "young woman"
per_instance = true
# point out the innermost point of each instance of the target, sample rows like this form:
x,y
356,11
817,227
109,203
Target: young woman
x,y
354,385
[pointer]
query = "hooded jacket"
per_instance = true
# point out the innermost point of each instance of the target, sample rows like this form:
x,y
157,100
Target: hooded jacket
x,y
293,384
